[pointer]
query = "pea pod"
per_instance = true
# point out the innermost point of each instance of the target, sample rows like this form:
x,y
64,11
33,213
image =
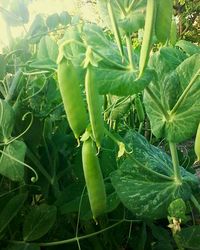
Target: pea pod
x,y
163,19
94,107
197,144
93,178
148,33
115,28
173,33
72,98
139,108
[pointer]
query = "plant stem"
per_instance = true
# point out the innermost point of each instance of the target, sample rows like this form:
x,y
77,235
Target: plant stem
x,y
37,163
121,7
130,6
185,92
74,239
129,49
175,161
195,202
158,103
118,66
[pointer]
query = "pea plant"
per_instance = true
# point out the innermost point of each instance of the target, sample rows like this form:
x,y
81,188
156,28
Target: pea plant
x,y
99,131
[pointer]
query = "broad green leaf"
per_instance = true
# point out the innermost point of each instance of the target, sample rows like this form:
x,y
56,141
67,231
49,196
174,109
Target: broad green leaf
x,y
177,209
11,209
6,121
160,233
121,82
9,166
144,181
53,21
188,47
47,49
164,245
65,18
180,85
39,221
47,54
37,29
189,237
130,19
17,14
20,10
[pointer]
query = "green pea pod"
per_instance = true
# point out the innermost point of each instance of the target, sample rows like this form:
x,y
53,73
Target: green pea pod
x,y
163,19
115,28
173,33
93,178
72,98
94,107
197,144
148,33
139,108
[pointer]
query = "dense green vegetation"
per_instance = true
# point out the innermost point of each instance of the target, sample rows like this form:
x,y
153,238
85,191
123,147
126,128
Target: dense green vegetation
x,y
99,128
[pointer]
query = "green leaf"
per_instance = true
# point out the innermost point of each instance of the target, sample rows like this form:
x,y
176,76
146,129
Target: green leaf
x,y
180,85
144,181
47,49
6,121
65,18
52,21
47,54
188,47
20,10
17,14
11,209
160,233
130,20
162,245
39,221
37,29
190,237
177,209
120,82
9,166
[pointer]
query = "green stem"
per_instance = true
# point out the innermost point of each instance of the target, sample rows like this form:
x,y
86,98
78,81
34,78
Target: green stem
x,y
56,243
140,127
195,202
121,7
158,103
130,6
118,66
37,163
185,93
175,161
129,49
115,29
